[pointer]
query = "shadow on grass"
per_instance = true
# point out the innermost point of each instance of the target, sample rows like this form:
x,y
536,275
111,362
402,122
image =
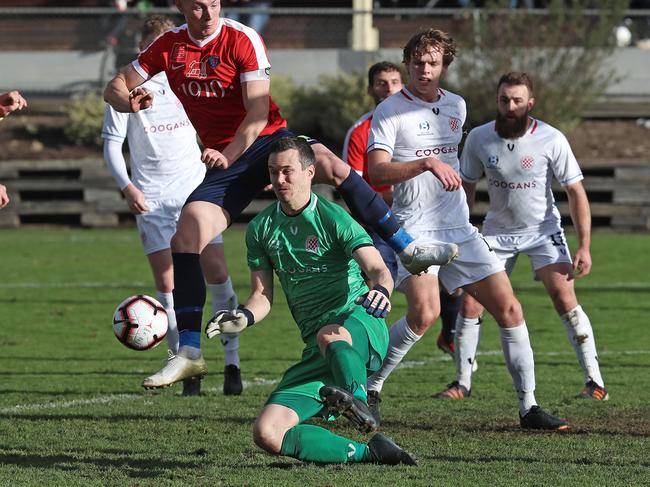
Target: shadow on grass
x,y
131,467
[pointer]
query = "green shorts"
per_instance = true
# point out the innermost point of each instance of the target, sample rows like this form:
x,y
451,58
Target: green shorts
x,y
298,389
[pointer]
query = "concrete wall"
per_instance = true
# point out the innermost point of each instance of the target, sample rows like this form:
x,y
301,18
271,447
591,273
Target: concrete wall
x,y
72,71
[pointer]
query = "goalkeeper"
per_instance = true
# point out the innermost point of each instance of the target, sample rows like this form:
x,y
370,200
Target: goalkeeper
x,y
317,250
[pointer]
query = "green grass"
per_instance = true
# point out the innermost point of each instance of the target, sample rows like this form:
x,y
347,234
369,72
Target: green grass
x,y
72,411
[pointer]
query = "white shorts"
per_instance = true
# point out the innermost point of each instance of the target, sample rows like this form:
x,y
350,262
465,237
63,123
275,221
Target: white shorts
x,y
158,225
542,250
475,260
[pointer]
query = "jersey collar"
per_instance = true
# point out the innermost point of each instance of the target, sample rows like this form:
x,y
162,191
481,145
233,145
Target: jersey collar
x,y
309,208
207,40
412,98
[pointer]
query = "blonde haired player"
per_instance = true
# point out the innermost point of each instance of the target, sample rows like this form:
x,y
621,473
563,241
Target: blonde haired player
x,y
165,168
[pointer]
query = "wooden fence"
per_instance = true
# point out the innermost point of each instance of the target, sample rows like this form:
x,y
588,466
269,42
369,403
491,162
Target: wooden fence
x,y
82,193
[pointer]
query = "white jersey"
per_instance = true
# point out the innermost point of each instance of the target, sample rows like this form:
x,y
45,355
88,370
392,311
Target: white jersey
x,y
519,175
165,157
409,128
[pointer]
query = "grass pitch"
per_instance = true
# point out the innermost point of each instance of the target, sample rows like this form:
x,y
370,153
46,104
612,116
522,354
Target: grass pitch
x,y
72,411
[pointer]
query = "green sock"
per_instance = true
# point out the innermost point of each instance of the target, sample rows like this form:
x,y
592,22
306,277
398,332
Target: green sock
x,y
347,367
311,443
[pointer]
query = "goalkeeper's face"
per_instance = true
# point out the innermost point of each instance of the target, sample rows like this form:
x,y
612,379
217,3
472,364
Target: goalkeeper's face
x,y
291,182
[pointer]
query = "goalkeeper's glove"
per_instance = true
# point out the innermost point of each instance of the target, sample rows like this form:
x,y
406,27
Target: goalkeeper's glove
x,y
229,321
376,301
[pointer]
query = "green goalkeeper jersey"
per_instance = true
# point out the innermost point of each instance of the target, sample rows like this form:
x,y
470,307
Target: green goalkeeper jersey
x,y
311,253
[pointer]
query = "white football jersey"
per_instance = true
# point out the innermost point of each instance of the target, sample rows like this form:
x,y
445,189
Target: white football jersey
x,y
409,128
519,175
165,157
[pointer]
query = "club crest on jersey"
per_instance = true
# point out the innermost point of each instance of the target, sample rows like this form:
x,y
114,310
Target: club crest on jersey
x,y
311,244
424,126
179,53
527,162
454,124
214,61
493,161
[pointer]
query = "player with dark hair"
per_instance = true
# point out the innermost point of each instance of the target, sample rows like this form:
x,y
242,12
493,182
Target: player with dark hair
x,y
384,80
518,155
219,70
317,251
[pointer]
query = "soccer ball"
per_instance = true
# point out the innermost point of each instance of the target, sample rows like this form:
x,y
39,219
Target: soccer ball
x,y
140,322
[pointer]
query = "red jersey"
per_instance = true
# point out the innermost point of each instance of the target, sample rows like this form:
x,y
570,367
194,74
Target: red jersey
x,y
207,77
355,150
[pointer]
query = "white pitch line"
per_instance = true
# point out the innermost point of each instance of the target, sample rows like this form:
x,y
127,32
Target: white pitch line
x,y
407,364
96,284
72,285
110,399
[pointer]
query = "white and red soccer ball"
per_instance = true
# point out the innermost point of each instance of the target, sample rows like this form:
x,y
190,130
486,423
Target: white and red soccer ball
x,y
140,322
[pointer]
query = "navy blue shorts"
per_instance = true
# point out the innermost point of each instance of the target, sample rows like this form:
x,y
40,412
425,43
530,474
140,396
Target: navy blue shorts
x,y
234,188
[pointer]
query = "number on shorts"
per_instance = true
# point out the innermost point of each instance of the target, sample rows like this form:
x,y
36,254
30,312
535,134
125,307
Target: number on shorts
x,y
557,240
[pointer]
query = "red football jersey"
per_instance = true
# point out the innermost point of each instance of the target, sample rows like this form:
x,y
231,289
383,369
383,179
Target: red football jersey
x,y
207,77
355,150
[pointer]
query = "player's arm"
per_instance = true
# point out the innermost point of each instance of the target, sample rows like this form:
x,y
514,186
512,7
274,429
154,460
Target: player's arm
x,y
382,171
123,94
377,300
581,218
10,102
4,199
255,96
117,165
470,193
255,309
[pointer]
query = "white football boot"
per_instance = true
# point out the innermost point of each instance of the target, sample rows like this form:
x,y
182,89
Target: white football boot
x,y
418,258
175,370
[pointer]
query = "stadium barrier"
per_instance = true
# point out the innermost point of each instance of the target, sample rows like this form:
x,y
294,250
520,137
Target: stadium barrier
x,y
82,193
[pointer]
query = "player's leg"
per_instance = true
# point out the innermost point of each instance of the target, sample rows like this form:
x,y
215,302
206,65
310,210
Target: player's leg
x,y
163,274
369,207
466,345
215,269
278,430
496,295
560,287
449,308
156,228
347,365
422,296
200,221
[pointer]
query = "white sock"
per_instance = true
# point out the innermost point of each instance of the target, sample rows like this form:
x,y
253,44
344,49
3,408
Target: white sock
x,y
190,352
520,363
402,338
167,300
224,297
468,333
581,335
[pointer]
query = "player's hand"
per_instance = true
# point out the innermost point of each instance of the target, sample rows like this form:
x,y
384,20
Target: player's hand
x,y
446,174
4,199
135,200
214,159
581,263
228,321
10,102
140,99
376,301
